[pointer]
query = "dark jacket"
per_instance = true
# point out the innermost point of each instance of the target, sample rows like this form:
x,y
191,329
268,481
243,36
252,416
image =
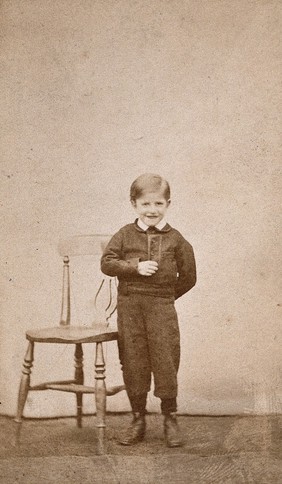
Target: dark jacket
x,y
176,273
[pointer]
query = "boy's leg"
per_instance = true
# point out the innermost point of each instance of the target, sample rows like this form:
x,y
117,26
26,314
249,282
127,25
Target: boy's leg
x,y
164,342
168,405
138,403
133,347
164,345
134,357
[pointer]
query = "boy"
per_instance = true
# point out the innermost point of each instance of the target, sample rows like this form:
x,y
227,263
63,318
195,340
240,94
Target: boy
x,y
155,265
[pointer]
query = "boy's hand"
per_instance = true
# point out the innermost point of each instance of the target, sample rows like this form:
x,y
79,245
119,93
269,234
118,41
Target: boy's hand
x,y
147,268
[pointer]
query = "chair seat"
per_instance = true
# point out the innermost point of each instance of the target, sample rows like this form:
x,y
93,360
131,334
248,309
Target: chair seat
x,y
72,334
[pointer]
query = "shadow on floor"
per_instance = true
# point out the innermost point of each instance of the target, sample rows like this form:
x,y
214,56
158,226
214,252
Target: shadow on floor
x,y
223,450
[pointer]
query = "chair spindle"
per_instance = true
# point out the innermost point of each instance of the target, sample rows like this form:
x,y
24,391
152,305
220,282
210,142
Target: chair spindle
x,y
65,313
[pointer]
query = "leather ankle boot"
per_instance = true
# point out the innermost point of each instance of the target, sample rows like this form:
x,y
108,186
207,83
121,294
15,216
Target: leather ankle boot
x,y
136,431
172,433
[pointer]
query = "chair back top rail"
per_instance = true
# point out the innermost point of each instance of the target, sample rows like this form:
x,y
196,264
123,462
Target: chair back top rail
x,y
91,244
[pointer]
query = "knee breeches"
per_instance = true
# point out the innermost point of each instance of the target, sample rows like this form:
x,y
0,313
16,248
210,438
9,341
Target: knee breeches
x,y
148,344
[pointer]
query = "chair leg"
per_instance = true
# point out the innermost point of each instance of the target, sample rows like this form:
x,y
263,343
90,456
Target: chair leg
x,y
79,379
24,386
100,397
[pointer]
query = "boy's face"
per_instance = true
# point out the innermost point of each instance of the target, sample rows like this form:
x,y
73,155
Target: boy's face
x,y
151,207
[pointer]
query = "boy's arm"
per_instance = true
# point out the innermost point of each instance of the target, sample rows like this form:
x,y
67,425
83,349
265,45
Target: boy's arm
x,y
112,263
186,268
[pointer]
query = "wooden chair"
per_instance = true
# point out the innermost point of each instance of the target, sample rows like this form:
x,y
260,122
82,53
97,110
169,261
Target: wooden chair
x,y
68,334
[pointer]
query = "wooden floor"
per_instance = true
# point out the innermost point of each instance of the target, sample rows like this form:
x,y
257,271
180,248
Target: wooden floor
x,y
217,450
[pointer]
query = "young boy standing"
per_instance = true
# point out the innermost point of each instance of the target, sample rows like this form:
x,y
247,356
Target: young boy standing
x,y
154,265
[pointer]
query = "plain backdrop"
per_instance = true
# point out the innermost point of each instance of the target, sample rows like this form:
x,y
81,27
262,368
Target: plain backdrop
x,y
94,93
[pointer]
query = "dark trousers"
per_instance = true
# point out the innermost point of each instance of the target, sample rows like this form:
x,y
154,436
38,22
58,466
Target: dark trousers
x,y
148,339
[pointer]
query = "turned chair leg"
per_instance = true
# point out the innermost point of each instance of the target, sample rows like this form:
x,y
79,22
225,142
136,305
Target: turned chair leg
x,y
100,397
24,386
79,379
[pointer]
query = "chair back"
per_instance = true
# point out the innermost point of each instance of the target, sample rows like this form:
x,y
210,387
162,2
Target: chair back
x,y
104,301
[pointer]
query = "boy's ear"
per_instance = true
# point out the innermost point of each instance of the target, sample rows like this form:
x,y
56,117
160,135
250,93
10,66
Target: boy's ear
x,y
133,203
168,202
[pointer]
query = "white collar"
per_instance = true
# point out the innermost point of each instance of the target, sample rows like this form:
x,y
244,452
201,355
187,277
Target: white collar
x,y
144,227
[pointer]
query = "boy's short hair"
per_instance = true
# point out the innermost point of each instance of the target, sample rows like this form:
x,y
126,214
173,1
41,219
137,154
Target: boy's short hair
x,y
149,183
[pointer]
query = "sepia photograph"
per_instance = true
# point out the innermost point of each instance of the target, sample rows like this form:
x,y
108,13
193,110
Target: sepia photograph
x,y
140,333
